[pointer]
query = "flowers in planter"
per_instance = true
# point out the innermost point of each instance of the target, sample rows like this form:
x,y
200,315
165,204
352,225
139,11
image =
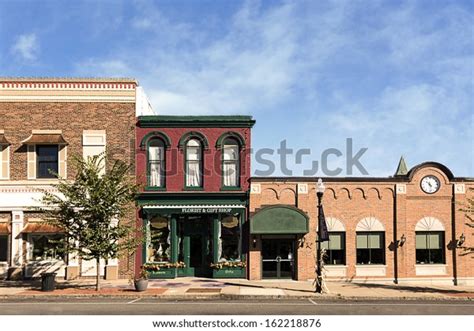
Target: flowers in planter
x,y
228,264
166,265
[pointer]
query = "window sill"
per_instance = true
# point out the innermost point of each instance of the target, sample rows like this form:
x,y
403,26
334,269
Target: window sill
x,y
154,188
193,189
431,269
237,188
371,269
336,270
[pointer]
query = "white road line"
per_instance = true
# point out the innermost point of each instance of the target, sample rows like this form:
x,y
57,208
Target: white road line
x,y
133,301
314,303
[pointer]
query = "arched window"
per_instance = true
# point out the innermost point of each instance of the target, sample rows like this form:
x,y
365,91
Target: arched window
x,y
193,163
336,245
231,163
156,163
370,241
429,233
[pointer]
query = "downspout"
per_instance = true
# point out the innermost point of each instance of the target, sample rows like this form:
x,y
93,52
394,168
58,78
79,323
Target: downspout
x,y
453,237
395,241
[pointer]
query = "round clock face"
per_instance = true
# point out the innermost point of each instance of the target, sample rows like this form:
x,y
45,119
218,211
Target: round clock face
x,y
430,184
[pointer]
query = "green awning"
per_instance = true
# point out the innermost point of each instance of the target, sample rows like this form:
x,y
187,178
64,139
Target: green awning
x,y
279,220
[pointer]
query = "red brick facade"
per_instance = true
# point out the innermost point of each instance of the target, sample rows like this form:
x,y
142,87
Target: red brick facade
x,y
398,203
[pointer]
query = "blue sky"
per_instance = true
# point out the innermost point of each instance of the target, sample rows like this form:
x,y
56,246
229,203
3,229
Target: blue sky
x,y
397,77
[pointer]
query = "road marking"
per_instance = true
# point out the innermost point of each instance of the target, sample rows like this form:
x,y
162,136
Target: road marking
x,y
314,303
133,301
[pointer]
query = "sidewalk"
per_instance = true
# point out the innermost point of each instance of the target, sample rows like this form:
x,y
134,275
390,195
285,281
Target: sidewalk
x,y
193,288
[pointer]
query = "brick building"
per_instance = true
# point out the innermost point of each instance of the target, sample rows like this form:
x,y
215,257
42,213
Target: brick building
x,y
195,172
43,123
398,229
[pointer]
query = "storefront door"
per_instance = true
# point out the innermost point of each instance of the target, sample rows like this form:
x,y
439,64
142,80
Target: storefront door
x,y
278,258
195,246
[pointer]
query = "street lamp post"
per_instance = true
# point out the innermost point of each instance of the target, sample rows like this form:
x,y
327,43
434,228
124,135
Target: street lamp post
x,y
321,236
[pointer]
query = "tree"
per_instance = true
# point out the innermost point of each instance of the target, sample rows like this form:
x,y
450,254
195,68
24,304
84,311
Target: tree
x,y
468,210
88,208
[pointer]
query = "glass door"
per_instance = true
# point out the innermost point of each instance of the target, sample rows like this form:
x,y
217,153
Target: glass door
x,y
277,258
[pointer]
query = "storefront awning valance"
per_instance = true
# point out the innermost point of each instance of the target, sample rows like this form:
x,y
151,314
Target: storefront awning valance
x,y
5,228
3,140
45,139
41,228
279,220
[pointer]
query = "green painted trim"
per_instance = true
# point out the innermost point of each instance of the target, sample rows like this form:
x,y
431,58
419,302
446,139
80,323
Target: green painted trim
x,y
193,188
169,273
279,219
155,134
230,134
229,273
155,188
231,188
190,198
165,121
193,134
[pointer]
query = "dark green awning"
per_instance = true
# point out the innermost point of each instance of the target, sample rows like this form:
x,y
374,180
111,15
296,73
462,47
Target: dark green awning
x,y
279,220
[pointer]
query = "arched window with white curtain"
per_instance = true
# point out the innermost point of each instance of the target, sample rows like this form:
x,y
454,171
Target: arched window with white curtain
x,y
156,163
193,163
231,163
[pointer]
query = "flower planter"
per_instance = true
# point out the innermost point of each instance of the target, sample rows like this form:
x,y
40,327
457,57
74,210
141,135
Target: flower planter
x,y
141,285
229,273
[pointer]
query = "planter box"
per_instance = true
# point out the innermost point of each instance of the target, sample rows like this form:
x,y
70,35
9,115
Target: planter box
x,y
163,273
229,273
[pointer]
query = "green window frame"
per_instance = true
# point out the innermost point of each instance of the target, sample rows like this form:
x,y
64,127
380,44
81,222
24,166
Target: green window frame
x,y
230,160
157,162
193,144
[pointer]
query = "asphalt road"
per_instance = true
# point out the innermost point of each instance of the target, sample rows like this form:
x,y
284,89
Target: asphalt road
x,y
150,306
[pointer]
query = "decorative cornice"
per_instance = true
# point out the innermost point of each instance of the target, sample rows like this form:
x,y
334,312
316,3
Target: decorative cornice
x,y
221,121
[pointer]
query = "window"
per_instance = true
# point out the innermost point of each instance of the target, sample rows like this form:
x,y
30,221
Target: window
x,y
229,238
158,240
156,163
193,163
93,144
47,161
230,163
3,248
46,247
4,161
429,247
370,248
335,248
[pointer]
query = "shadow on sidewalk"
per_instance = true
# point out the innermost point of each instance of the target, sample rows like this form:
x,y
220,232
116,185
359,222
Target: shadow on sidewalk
x,y
410,288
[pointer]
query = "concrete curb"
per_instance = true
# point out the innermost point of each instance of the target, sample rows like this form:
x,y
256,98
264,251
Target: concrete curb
x,y
236,297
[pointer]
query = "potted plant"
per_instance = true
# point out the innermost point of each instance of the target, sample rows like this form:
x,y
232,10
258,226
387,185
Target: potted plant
x,y
141,282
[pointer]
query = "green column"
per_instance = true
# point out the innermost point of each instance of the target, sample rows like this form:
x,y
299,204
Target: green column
x,y
215,234
174,242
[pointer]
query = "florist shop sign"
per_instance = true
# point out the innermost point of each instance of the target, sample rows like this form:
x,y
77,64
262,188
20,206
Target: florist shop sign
x,y
206,210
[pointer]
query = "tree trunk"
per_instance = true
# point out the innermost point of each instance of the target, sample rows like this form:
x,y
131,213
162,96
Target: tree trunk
x,y
97,277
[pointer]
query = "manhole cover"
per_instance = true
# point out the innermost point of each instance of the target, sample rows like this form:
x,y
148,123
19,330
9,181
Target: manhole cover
x,y
203,290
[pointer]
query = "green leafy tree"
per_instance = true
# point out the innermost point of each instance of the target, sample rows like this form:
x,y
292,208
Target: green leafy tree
x,y
468,210
87,210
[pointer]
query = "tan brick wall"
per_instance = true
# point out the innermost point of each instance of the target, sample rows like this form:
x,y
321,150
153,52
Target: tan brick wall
x,y
72,118
352,201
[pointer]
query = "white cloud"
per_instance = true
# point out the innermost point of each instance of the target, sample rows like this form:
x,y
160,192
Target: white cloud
x,y
26,46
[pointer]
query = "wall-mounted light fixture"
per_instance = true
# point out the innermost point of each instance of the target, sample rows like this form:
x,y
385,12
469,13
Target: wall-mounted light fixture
x,y
254,242
301,241
461,240
402,241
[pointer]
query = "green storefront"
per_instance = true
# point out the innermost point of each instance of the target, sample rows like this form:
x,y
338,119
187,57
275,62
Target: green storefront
x,y
194,234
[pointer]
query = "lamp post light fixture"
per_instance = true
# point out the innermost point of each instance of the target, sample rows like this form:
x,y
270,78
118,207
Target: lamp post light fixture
x,y
321,235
